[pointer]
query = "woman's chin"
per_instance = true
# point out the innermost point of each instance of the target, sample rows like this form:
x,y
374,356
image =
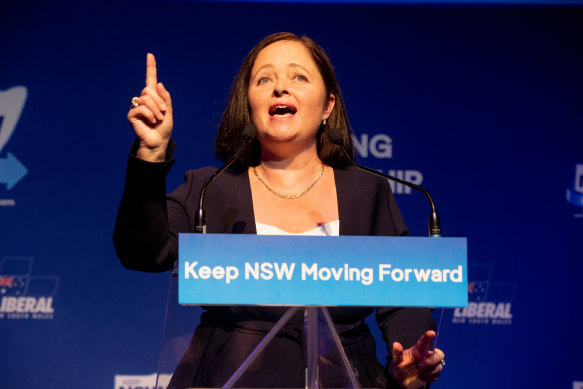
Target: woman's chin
x,y
279,135
285,133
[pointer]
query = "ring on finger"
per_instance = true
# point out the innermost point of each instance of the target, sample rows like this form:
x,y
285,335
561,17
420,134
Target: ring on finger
x,y
442,362
135,101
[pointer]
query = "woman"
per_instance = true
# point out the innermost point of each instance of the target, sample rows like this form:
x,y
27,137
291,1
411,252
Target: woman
x,y
293,181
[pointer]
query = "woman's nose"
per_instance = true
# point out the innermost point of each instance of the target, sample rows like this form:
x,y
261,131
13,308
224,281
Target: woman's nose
x,y
280,89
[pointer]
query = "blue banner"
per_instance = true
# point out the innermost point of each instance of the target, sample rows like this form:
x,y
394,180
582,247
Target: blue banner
x,y
328,271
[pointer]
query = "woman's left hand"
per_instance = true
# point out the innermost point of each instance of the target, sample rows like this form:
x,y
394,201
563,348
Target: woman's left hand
x,y
414,367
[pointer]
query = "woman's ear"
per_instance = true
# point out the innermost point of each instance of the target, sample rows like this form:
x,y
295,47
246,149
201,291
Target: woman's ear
x,y
329,106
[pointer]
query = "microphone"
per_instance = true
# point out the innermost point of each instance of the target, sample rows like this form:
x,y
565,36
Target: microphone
x,y
335,136
249,132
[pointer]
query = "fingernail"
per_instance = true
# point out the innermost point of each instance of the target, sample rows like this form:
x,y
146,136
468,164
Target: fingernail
x,y
163,107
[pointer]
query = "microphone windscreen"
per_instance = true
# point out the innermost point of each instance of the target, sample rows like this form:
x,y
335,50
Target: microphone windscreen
x,y
335,136
249,131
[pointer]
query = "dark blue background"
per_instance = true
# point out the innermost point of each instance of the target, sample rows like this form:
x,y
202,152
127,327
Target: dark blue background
x,y
486,101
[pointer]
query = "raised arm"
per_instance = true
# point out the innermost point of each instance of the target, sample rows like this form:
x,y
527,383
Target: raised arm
x,y
142,237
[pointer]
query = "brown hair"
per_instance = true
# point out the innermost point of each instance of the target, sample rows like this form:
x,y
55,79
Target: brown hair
x,y
237,113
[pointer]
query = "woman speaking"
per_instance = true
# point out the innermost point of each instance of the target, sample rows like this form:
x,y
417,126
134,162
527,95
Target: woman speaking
x,y
292,180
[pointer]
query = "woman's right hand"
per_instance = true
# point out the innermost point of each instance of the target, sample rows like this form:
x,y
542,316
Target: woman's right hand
x,y
152,118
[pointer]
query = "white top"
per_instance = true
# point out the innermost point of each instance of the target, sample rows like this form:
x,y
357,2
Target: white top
x,y
328,229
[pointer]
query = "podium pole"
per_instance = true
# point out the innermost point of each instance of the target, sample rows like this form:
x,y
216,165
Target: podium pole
x,y
345,361
264,342
312,351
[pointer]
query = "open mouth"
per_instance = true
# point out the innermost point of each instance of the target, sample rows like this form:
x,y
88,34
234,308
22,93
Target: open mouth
x,y
282,110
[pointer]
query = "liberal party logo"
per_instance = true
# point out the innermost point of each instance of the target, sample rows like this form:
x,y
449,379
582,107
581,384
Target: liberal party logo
x,y
575,195
489,302
22,295
11,104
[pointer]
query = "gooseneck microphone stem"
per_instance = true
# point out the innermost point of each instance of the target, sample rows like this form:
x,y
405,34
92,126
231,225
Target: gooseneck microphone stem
x,y
434,223
200,218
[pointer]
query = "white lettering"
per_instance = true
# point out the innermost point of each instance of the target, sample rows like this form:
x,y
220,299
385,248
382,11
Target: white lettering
x,y
384,270
456,275
445,273
228,273
27,305
422,274
397,275
361,146
7,202
232,274
266,272
324,274
337,273
310,271
204,272
367,276
484,310
218,272
413,176
284,269
251,271
407,273
436,275
189,270
380,146
503,311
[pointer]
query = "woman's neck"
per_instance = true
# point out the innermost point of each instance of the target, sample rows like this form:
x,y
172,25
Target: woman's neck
x,y
297,162
291,155
291,172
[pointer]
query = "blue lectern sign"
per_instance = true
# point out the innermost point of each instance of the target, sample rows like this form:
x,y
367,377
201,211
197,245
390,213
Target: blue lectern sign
x,y
217,269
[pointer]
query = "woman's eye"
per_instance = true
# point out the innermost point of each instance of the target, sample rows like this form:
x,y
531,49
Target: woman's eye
x,y
263,80
301,77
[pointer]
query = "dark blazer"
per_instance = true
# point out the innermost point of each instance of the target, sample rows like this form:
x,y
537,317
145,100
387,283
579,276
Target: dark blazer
x,y
146,238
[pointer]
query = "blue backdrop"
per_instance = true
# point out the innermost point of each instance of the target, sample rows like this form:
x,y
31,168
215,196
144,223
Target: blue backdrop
x,y
481,104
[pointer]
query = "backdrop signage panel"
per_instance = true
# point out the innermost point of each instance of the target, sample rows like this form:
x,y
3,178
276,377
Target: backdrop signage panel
x,y
220,269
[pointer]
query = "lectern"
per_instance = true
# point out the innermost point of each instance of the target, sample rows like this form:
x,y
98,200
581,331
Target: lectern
x,y
311,273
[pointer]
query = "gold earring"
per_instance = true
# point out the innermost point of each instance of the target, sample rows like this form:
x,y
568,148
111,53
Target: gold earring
x,y
324,122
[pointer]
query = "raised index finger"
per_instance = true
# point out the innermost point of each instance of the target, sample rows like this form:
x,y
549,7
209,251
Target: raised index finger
x,y
151,72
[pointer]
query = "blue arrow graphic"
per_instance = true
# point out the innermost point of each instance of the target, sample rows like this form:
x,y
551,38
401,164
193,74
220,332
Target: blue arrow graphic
x,y
11,171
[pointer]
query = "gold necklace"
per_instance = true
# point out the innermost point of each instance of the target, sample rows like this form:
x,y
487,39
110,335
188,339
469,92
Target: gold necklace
x,y
291,196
